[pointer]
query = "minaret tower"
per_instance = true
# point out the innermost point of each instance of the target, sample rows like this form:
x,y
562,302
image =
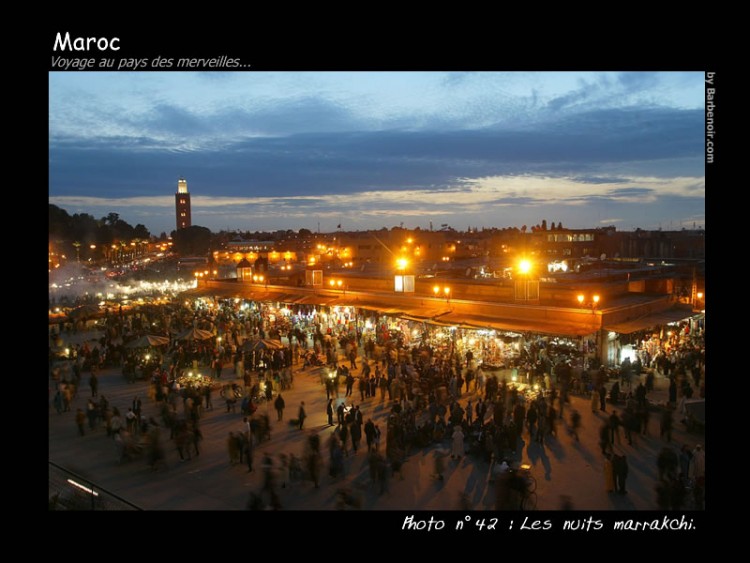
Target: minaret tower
x,y
182,204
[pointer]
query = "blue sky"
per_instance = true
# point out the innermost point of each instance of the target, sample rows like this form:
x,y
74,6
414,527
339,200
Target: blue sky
x,y
286,150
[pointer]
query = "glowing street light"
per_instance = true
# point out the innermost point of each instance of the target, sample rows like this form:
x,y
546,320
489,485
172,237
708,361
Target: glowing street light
x,y
403,282
524,266
593,302
444,290
337,283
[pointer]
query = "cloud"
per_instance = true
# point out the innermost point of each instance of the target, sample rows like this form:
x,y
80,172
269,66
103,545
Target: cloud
x,y
638,81
172,120
277,145
615,90
633,193
345,161
600,180
468,194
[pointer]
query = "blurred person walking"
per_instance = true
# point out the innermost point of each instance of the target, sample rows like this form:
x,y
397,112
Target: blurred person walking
x,y
575,424
457,452
666,424
80,421
329,412
279,405
620,471
301,415
94,384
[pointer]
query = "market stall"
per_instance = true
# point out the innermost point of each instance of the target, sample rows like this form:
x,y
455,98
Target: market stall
x,y
194,381
143,355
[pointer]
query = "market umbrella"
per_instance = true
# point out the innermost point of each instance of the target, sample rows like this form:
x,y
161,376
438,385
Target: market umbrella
x,y
148,340
84,311
194,334
262,344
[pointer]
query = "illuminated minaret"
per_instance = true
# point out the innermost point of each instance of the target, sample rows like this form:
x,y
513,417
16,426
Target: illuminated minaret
x,y
182,204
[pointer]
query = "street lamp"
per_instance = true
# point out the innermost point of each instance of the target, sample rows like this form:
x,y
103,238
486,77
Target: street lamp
x,y
444,290
525,284
593,302
78,251
337,284
401,281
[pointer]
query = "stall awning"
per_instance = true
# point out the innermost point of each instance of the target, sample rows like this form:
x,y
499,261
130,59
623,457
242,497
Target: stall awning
x,y
375,306
405,312
672,315
363,304
258,295
284,297
424,314
467,320
315,300
391,311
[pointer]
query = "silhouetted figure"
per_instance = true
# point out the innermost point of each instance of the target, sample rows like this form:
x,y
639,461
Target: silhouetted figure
x,y
279,405
620,471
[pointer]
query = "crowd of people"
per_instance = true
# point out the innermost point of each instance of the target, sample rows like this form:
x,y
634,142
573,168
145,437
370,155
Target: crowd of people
x,y
434,397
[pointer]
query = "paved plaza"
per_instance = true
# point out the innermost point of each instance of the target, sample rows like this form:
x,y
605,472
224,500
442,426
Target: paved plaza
x,y
562,467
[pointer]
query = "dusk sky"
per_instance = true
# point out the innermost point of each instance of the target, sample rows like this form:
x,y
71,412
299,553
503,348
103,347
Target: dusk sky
x,y
287,150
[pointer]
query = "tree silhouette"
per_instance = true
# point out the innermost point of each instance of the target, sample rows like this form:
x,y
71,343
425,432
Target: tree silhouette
x,y
87,230
192,241
141,232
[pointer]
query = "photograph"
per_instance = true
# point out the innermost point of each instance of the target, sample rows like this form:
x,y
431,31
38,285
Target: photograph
x,y
326,289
